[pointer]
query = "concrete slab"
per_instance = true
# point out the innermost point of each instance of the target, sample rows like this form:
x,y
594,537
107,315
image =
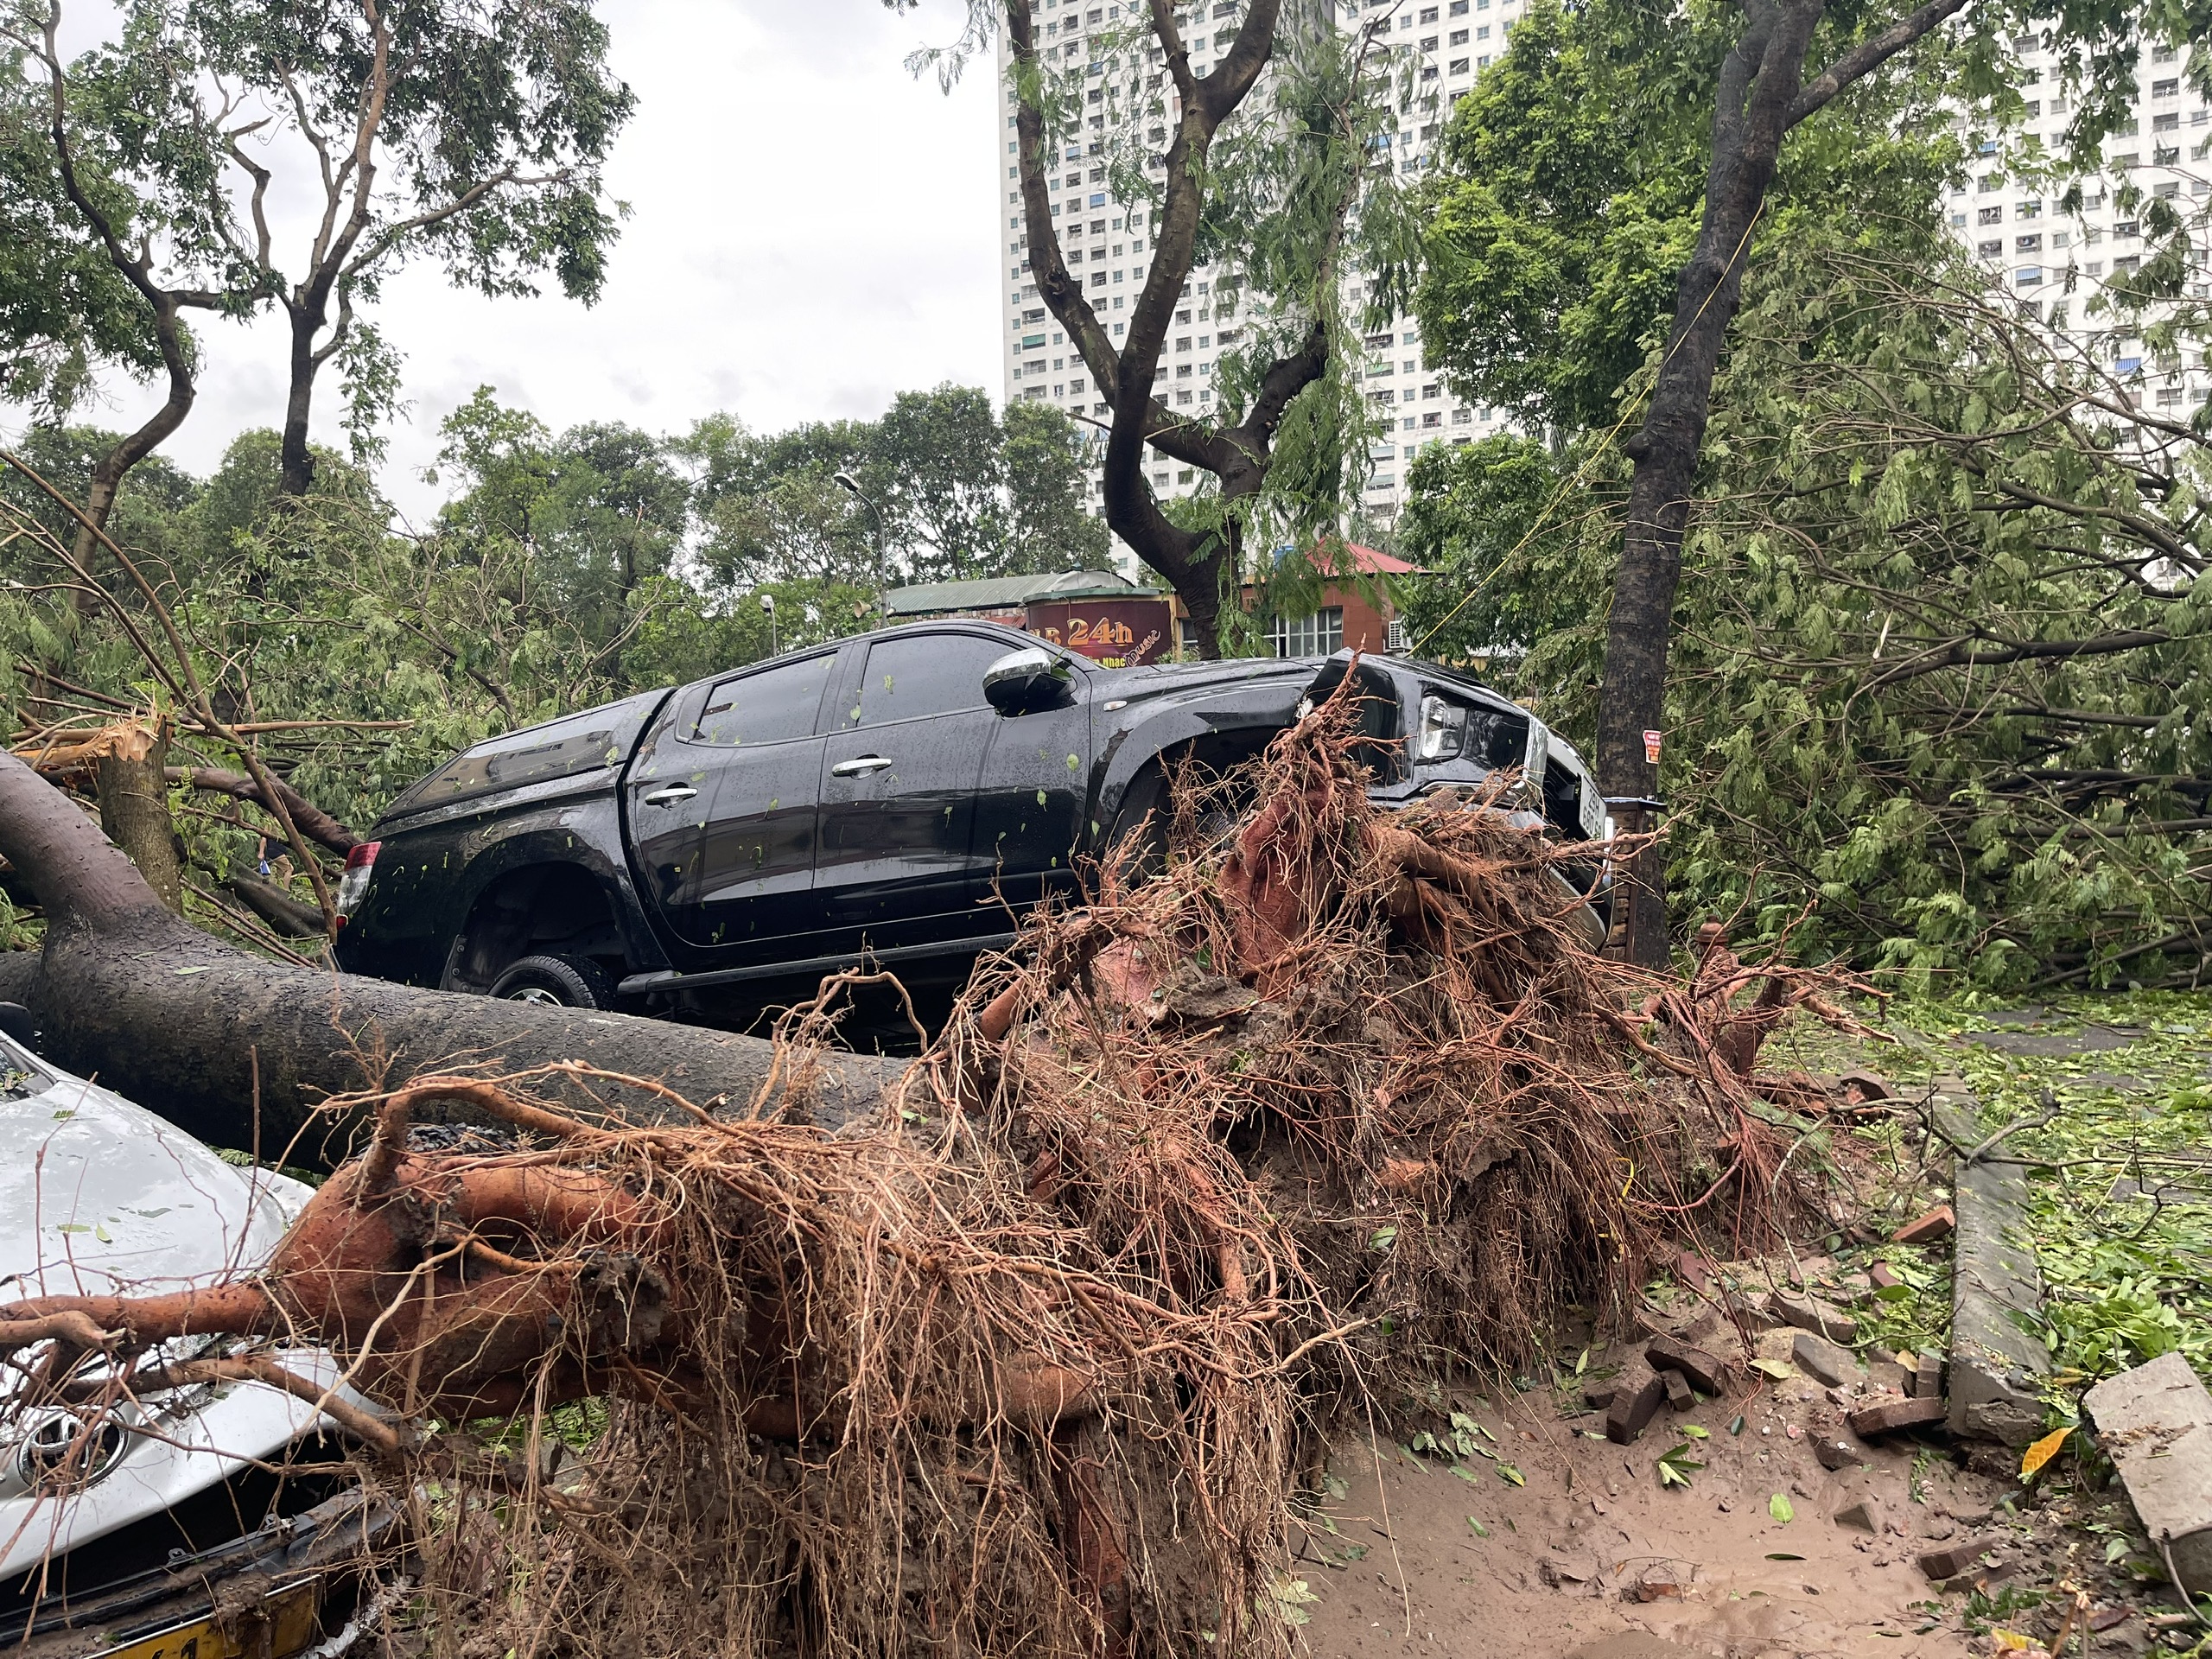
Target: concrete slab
x,y
2155,1423
1997,1363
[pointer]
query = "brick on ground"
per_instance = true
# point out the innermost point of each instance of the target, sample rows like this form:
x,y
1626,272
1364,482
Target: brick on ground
x,y
1939,1222
1707,1371
1811,1313
1889,1416
1636,1396
1822,1360
1949,1560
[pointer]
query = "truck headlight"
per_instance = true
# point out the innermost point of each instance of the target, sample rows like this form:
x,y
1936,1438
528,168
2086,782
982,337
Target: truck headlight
x,y
1443,731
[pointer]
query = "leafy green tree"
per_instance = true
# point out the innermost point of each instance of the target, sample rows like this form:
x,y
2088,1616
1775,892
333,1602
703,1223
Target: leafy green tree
x,y
1941,645
1775,78
963,494
418,128
600,510
768,510
66,312
474,135
939,459
1046,525
124,143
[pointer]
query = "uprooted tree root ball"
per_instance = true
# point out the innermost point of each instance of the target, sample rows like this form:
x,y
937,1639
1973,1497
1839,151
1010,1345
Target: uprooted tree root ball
x,y
1037,1359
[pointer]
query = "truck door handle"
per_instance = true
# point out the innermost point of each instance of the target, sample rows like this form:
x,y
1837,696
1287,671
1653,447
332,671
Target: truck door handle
x,y
668,795
859,766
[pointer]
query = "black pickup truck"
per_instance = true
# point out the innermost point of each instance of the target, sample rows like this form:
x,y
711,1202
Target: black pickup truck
x,y
904,794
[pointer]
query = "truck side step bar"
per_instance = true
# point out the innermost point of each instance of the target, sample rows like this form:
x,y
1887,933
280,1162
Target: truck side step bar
x,y
669,979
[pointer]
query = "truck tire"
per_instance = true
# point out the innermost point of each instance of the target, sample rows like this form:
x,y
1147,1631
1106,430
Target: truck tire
x,y
563,982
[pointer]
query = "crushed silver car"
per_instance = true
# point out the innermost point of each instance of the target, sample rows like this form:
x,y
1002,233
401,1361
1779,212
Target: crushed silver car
x,y
123,1529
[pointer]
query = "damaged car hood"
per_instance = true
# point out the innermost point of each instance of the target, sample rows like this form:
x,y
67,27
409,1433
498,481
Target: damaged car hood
x,y
99,1196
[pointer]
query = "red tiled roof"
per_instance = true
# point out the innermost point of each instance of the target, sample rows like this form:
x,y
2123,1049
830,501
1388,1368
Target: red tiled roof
x,y
1365,561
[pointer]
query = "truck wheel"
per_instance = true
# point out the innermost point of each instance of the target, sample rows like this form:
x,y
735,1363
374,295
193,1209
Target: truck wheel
x,y
561,982
1140,831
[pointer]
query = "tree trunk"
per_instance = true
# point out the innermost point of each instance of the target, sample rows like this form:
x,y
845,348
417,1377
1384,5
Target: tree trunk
x,y
296,461
135,813
201,1032
1759,83
109,471
1199,565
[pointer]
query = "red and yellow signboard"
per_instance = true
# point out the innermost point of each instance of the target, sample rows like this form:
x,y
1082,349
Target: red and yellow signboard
x,y
1114,632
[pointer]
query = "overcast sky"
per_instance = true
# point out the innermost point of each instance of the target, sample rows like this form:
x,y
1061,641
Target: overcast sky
x,y
813,230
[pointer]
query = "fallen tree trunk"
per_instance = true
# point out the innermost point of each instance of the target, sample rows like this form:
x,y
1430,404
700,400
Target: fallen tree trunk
x,y
237,1050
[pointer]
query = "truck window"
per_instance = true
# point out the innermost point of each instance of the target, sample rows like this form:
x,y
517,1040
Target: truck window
x,y
923,674
766,706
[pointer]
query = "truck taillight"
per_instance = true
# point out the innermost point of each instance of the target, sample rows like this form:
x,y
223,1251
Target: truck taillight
x,y
354,886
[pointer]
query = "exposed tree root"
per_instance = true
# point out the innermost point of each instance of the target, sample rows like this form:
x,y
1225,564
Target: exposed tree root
x,y
1032,1361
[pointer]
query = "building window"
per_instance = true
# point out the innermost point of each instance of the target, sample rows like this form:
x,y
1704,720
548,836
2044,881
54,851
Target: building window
x,y
1321,634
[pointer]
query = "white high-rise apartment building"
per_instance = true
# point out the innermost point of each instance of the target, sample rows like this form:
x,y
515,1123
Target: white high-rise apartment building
x,y
2012,226
2016,228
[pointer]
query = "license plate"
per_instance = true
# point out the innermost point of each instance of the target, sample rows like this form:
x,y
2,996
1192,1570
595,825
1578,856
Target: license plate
x,y
281,1625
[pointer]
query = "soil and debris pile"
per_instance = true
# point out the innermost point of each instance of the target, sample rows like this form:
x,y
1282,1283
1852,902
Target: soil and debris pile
x,y
1038,1359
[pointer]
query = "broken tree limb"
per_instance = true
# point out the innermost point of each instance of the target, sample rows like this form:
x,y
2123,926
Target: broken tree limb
x,y
196,1030
314,823
276,907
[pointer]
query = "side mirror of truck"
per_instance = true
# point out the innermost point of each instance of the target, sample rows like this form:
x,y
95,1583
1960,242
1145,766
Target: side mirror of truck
x,y
1023,682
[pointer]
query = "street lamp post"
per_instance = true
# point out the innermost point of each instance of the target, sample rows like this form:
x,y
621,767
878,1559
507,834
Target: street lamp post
x,y
768,608
882,601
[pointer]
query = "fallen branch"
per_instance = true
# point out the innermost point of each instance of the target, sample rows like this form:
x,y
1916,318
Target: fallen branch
x,y
314,823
